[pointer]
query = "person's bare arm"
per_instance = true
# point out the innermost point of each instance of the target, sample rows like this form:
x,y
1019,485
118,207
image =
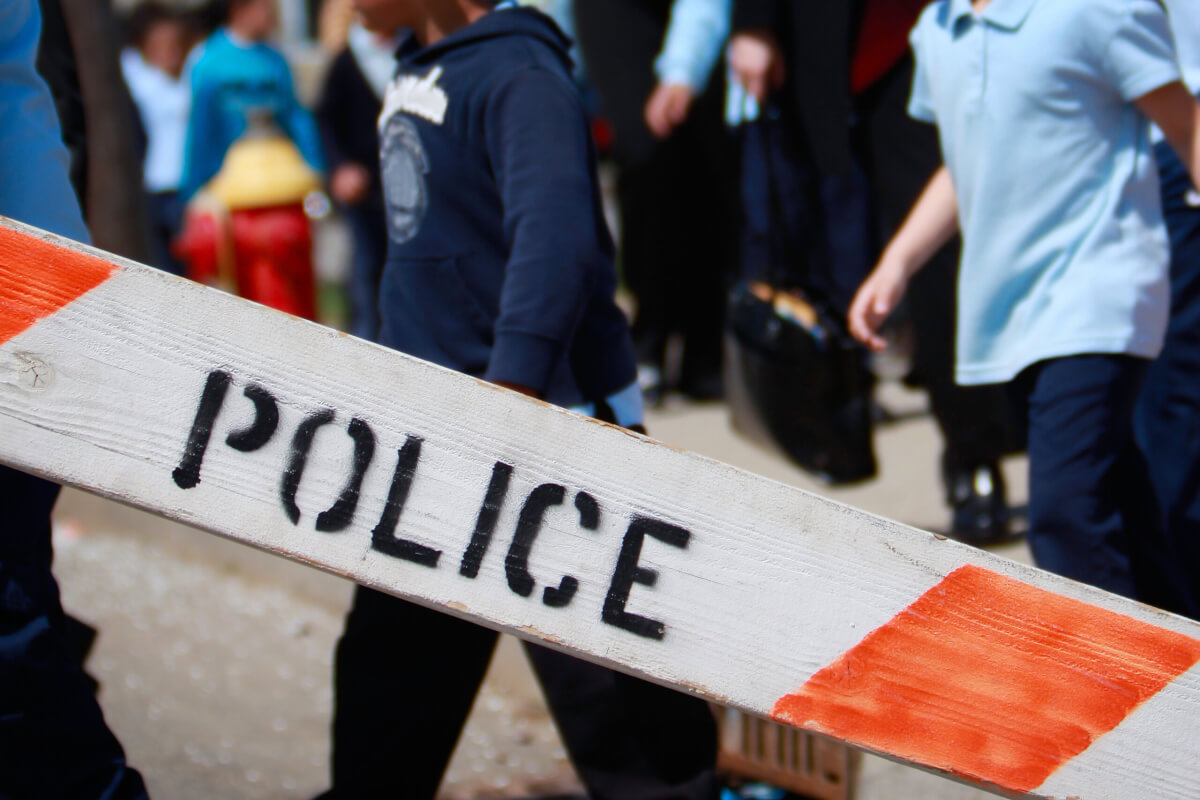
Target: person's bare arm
x,y
1173,109
932,222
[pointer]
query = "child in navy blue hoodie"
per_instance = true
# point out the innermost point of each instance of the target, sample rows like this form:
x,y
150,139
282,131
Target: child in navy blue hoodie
x,y
499,265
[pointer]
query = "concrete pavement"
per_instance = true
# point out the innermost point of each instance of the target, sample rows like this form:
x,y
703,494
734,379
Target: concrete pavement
x,y
215,660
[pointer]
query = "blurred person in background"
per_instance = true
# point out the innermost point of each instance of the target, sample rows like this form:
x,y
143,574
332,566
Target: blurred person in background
x,y
347,113
54,741
842,72
252,161
1167,418
652,64
235,73
153,67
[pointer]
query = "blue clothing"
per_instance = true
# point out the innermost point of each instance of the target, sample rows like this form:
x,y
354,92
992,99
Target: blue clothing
x,y
229,79
1064,249
1185,24
53,738
694,42
500,263
1167,420
30,137
1091,508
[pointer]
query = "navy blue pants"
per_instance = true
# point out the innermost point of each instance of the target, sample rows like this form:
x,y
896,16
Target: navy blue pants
x,y
1167,420
406,677
369,229
165,210
1092,512
53,740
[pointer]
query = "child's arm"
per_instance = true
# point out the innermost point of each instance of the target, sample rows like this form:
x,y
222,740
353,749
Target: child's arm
x,y
1173,109
932,222
692,45
540,153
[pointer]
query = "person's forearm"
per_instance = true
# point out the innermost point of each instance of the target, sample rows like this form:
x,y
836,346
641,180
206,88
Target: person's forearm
x,y
932,222
1188,146
1177,115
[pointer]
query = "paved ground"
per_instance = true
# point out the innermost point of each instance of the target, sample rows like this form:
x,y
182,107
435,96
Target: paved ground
x,y
215,659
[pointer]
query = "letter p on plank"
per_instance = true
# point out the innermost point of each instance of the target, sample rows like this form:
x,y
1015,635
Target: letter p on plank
x,y
456,494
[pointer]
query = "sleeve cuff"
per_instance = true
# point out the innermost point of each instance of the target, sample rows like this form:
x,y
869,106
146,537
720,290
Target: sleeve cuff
x,y
691,75
922,113
523,359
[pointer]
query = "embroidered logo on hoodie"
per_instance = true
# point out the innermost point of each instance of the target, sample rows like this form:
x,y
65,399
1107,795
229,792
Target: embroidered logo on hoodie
x,y
404,166
421,97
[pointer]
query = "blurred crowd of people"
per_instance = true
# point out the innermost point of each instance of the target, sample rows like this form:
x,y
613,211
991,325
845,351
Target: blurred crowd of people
x,y
476,215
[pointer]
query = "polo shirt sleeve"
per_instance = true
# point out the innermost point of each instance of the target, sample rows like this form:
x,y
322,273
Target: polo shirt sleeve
x,y
920,101
1140,55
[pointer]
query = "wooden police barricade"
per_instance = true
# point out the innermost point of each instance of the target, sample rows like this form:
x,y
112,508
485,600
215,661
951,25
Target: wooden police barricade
x,y
453,493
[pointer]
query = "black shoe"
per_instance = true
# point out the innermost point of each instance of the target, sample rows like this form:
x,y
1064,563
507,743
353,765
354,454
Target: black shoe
x,y
705,388
980,507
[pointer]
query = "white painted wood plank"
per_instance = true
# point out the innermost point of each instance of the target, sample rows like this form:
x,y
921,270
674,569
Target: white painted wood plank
x,y
745,591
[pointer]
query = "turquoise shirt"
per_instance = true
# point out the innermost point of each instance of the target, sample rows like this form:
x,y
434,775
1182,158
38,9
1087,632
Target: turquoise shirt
x,y
1064,248
229,79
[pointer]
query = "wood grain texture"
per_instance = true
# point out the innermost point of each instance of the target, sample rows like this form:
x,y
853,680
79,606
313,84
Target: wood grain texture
x,y
369,464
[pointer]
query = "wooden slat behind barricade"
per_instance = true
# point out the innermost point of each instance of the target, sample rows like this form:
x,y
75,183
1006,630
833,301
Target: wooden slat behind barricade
x,y
806,764
471,499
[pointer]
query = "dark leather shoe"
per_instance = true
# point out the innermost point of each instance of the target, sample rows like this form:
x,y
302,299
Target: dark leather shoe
x,y
977,496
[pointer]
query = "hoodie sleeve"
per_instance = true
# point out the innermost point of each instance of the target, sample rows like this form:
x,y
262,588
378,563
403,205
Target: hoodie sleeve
x,y
34,186
541,157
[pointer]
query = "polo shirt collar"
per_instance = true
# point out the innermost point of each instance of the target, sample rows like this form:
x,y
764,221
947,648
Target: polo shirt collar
x,y
1008,14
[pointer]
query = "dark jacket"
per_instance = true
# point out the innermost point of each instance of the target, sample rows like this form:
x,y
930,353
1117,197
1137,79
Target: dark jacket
x,y
817,40
346,114
500,263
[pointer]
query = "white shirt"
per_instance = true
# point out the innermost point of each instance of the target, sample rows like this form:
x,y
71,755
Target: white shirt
x,y
163,104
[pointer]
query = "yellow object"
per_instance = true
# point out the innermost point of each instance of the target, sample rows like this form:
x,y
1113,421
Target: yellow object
x,y
786,304
260,171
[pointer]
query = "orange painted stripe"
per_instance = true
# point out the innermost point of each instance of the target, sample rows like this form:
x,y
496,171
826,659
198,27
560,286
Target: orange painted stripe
x,y
38,278
991,679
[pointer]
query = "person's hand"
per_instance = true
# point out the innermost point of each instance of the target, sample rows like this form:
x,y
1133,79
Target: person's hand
x,y
756,62
668,108
876,299
350,183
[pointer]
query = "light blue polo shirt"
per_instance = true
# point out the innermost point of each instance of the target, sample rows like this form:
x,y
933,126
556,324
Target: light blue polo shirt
x,y
1064,248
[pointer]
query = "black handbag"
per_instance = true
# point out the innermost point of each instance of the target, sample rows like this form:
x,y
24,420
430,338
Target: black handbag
x,y
794,378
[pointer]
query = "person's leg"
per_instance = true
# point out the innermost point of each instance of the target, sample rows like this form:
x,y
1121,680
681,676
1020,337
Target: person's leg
x,y
629,739
369,230
405,678
53,738
1086,498
1167,419
620,40
165,210
703,240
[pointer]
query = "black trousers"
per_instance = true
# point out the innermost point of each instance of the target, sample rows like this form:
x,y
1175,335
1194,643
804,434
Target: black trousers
x,y
54,743
406,677
899,156
677,197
